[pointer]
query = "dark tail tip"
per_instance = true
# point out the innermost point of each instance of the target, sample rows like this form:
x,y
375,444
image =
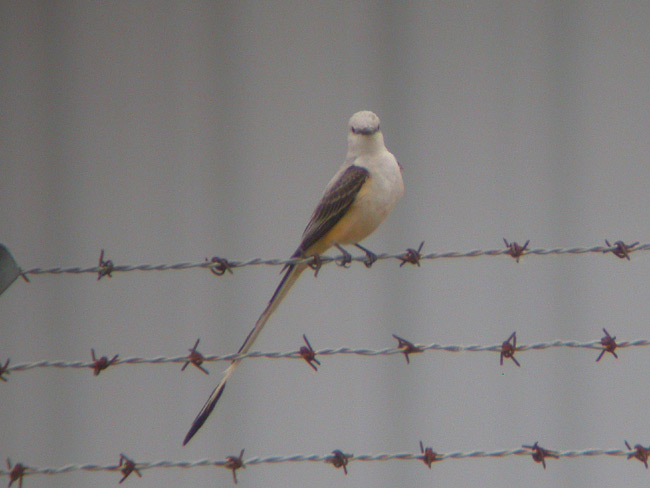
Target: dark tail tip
x,y
195,427
204,414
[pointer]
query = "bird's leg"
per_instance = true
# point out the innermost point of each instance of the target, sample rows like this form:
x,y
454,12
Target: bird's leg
x,y
371,257
346,259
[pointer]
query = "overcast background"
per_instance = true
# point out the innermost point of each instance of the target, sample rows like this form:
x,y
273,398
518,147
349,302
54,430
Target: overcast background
x,y
170,132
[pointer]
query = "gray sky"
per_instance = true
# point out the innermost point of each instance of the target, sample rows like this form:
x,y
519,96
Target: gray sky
x,y
171,132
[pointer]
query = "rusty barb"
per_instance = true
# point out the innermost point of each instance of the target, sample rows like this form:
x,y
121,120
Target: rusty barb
x,y
428,455
515,250
105,267
642,453
308,354
508,349
234,463
196,358
16,473
4,369
620,249
220,266
412,256
128,466
540,454
407,348
339,459
102,363
609,345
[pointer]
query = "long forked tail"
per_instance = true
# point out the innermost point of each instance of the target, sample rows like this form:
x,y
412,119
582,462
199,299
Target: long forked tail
x,y
288,280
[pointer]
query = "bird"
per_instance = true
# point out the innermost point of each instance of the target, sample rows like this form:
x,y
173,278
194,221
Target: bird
x,y
355,202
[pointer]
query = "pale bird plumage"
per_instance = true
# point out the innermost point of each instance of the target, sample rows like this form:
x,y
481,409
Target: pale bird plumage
x,y
357,199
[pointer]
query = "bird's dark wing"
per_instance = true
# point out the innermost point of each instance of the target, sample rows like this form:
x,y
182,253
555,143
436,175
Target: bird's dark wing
x,y
334,204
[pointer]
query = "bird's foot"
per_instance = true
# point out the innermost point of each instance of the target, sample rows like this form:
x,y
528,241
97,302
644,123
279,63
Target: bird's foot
x,y
371,257
346,259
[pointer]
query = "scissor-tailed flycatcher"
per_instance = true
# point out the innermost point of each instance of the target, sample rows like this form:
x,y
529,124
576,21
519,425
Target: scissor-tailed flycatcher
x,y
355,202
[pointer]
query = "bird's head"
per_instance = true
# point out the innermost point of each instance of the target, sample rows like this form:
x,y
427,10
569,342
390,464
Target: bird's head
x,y
364,133
364,122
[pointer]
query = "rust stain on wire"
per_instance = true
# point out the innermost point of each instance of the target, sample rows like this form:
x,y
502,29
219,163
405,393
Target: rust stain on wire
x,y
128,466
412,256
540,454
195,358
308,354
102,363
104,268
339,459
508,349
429,456
4,369
234,463
16,473
219,266
620,249
515,250
641,453
407,348
609,345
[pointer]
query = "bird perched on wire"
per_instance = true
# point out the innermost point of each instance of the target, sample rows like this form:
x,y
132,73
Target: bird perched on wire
x,y
357,199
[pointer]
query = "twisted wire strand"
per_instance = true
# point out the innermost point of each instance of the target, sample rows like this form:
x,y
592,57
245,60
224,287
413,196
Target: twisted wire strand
x,y
595,345
328,259
294,458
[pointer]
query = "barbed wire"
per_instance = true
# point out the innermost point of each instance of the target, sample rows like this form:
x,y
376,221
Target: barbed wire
x,y
339,459
404,347
221,265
